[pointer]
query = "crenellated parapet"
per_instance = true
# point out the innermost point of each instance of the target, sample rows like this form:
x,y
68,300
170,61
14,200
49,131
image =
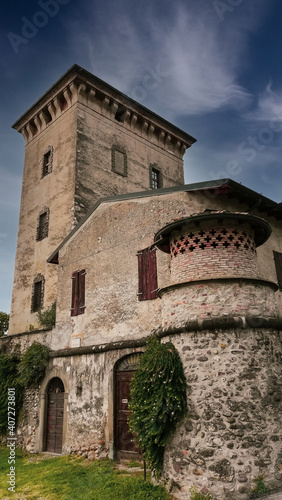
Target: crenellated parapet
x,y
79,86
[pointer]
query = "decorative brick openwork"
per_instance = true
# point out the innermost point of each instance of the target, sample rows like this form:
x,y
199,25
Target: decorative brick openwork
x,y
213,244
212,252
221,238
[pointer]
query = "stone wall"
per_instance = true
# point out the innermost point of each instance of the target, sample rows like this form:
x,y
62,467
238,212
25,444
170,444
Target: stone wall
x,y
231,433
216,299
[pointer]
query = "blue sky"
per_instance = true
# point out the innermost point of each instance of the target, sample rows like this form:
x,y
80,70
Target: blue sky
x,y
211,67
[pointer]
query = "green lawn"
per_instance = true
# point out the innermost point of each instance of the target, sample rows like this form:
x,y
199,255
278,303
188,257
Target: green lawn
x,y
68,477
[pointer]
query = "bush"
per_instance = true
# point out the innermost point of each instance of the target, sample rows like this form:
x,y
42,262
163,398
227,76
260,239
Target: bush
x,y
47,318
33,365
4,322
158,400
9,372
195,495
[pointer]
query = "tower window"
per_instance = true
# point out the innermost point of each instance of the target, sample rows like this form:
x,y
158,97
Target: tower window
x,y
42,225
37,293
119,161
156,180
47,162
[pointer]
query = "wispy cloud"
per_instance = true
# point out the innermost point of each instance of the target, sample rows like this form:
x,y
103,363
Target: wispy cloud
x,y
202,58
269,106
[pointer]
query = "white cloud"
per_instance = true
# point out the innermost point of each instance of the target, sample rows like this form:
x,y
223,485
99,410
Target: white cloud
x,y
269,106
200,57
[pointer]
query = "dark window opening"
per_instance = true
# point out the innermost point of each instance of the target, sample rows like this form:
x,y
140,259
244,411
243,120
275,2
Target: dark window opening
x,y
78,293
47,162
147,272
156,179
37,294
42,226
278,265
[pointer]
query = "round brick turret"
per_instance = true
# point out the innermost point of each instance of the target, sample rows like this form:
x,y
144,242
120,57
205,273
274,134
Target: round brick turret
x,y
214,268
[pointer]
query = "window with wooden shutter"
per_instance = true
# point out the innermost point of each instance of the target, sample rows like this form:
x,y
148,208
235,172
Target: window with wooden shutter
x,y
278,265
147,272
78,293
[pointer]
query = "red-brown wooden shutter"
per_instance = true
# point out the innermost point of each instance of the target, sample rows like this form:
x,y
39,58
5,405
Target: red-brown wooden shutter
x,y
75,292
278,265
147,272
81,293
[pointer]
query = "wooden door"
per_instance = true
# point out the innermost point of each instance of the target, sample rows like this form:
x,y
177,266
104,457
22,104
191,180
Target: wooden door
x,y
55,416
125,444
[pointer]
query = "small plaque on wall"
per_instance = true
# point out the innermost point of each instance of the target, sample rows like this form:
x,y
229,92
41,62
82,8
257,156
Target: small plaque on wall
x,y
75,342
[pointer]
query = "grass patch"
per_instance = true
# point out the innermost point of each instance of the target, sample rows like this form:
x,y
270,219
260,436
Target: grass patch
x,y
69,477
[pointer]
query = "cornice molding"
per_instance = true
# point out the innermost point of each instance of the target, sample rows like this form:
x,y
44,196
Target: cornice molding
x,y
84,88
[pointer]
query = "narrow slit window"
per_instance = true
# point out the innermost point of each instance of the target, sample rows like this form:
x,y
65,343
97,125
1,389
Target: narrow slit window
x,y
47,162
37,294
147,274
78,293
278,266
42,225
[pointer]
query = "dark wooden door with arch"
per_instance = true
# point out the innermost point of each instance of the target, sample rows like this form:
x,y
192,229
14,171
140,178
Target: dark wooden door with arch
x,y
126,445
55,416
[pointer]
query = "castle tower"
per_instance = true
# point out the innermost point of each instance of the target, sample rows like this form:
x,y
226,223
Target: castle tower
x,y
84,140
223,319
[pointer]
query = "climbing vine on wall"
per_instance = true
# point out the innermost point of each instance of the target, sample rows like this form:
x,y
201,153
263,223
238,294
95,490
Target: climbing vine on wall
x,y
47,318
158,399
18,373
33,365
9,379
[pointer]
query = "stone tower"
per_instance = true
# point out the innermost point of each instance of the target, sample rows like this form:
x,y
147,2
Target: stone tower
x,y
84,140
224,321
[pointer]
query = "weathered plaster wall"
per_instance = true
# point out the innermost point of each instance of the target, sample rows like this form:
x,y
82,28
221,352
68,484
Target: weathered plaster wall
x,y
96,134
106,246
54,191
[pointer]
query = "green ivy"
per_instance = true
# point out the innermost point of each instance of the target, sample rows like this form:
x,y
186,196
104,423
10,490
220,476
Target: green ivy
x,y
9,379
33,365
260,488
158,400
47,318
195,495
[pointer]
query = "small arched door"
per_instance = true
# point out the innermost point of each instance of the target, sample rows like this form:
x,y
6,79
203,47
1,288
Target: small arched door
x,y
55,415
125,444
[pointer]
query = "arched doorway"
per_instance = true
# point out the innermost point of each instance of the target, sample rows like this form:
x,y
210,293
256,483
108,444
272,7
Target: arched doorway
x,y
55,415
124,440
